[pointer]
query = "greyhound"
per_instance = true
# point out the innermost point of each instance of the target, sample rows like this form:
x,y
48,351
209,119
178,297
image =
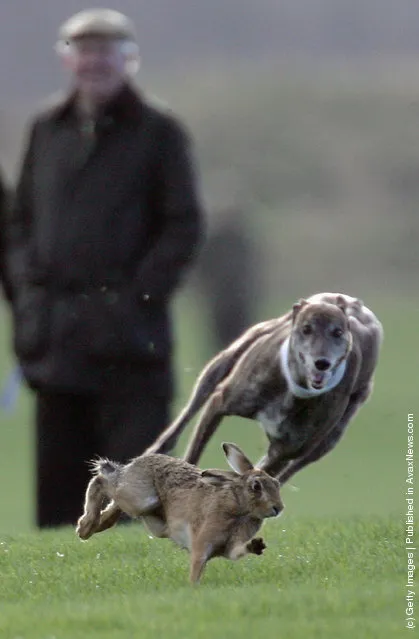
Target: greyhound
x,y
302,376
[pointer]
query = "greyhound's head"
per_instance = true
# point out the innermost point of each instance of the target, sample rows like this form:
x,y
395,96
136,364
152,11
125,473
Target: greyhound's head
x,y
320,340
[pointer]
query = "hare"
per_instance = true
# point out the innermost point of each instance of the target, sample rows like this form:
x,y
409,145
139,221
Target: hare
x,y
208,512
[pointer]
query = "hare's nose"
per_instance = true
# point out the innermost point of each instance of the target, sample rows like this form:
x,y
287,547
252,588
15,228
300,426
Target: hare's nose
x,y
275,511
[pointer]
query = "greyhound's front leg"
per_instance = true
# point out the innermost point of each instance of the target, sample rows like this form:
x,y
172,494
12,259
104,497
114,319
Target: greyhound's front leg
x,y
330,439
274,462
322,448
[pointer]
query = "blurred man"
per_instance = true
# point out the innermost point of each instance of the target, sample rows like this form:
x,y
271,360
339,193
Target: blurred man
x,y
106,220
4,279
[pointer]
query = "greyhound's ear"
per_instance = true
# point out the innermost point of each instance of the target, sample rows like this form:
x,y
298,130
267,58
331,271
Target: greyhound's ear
x,y
296,308
237,459
342,303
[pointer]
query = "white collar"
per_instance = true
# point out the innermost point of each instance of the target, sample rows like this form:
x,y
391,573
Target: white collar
x,y
299,391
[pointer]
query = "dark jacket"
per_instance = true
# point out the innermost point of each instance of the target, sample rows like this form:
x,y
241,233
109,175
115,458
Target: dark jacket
x,y
4,276
103,226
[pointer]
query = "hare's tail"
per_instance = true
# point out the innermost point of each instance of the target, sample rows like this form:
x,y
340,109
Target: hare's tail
x,y
105,467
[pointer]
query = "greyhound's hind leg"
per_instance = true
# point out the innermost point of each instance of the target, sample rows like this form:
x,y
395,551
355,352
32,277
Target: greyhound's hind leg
x,y
206,427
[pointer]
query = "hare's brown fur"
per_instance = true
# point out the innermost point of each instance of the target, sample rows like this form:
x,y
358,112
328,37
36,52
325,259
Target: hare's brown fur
x,y
210,513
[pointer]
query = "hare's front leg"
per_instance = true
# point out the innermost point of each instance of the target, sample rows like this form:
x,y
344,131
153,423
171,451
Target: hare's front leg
x,y
256,546
201,552
242,542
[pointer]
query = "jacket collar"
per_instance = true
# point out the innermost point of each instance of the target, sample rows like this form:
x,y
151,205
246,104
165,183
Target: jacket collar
x,y
126,105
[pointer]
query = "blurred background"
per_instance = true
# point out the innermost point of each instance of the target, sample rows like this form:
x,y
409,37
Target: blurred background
x,y
306,120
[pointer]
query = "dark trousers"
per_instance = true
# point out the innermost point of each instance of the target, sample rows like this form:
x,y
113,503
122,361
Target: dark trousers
x,y
71,429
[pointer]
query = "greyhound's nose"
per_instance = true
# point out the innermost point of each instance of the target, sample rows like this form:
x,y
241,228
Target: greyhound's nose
x,y
322,364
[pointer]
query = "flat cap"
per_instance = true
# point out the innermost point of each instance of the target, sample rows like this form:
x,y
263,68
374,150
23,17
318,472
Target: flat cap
x,y
100,22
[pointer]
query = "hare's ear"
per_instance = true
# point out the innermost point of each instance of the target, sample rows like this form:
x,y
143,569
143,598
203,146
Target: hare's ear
x,y
217,477
237,459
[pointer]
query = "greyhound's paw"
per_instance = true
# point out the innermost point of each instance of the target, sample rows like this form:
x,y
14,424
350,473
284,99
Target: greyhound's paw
x,y
256,546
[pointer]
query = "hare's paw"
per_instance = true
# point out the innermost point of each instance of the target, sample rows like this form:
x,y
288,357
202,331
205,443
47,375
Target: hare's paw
x,y
256,546
86,526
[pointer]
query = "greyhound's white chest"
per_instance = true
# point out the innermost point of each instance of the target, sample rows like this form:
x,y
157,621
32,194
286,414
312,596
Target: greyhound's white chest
x,y
181,535
286,424
272,422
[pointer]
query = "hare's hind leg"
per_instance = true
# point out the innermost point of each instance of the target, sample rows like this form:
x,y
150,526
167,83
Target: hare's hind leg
x,y
134,499
88,522
108,517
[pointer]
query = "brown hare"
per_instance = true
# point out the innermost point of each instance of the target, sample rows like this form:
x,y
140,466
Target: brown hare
x,y
209,512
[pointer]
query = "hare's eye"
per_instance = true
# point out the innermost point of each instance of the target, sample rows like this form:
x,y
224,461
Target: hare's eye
x,y
337,332
256,486
307,330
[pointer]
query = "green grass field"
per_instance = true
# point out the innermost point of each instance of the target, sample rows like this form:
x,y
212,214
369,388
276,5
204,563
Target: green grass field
x,y
318,579
335,563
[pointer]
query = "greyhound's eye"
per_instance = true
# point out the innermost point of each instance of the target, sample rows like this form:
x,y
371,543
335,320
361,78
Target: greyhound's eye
x,y
307,330
337,332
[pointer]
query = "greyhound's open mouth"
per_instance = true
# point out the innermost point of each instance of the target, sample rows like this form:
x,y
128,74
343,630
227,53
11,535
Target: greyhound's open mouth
x,y
318,380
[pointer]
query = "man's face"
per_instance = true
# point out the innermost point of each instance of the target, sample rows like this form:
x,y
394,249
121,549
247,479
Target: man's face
x,y
98,65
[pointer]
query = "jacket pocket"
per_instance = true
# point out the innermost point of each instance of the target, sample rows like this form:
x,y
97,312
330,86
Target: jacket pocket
x,y
115,325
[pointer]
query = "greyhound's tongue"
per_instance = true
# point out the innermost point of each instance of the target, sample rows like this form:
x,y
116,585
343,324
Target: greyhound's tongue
x,y
318,378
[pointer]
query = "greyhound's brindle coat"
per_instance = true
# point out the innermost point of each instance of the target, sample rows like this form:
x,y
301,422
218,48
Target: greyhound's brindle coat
x,y
303,376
